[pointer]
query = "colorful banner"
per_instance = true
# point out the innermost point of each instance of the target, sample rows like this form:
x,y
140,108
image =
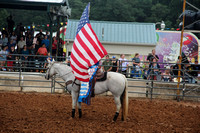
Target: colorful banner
x,y
168,46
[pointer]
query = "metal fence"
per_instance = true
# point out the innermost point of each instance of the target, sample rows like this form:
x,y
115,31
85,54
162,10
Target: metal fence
x,y
29,73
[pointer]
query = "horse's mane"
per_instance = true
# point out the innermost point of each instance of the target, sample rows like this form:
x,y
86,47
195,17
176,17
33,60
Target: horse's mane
x,y
61,63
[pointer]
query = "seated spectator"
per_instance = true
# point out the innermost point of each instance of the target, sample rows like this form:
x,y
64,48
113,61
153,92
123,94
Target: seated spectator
x,y
24,57
4,40
3,57
14,37
10,44
48,58
145,71
43,52
11,59
21,45
114,64
166,76
31,57
46,42
107,64
154,70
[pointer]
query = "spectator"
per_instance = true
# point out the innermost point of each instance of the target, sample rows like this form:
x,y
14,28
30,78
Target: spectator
x,y
107,64
40,35
11,24
29,41
114,64
54,46
25,53
122,64
1,42
17,32
35,40
47,34
10,44
43,52
136,72
166,76
31,57
3,56
46,42
21,27
5,40
11,58
5,31
28,33
152,55
21,45
37,46
176,69
196,68
154,70
193,72
48,58
14,37
24,57
21,35
145,72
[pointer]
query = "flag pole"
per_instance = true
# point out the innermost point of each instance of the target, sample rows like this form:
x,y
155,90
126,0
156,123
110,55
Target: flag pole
x,y
180,56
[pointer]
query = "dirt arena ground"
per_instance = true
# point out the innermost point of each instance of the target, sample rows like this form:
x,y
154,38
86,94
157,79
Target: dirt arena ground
x,y
43,112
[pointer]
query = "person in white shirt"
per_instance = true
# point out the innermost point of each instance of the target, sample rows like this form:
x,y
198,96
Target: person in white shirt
x,y
122,64
21,44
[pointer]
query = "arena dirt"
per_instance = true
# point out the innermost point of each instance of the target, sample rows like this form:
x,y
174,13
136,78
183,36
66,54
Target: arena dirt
x,y
44,112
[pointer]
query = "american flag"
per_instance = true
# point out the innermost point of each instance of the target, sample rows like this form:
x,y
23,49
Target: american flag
x,y
86,50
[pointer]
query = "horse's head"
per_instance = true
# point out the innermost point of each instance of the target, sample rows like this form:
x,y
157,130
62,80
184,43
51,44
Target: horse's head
x,y
50,69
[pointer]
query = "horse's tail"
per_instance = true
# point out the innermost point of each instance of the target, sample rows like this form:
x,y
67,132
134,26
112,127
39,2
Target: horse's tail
x,y
124,100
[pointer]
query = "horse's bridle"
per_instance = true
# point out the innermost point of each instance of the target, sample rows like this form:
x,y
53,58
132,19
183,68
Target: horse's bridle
x,y
68,82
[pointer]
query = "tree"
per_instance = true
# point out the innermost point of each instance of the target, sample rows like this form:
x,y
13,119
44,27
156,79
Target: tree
x,y
3,18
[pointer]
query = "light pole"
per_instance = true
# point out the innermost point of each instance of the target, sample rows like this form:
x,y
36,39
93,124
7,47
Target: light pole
x,y
162,25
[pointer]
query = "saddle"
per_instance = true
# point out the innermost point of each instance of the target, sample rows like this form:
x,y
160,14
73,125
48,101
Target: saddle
x,y
100,76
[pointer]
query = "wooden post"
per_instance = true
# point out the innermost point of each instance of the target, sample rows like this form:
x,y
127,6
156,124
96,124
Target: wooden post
x,y
180,57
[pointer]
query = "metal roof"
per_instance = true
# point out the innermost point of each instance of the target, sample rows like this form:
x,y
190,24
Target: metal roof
x,y
118,32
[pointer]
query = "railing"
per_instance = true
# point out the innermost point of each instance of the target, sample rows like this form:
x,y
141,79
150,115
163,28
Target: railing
x,y
30,74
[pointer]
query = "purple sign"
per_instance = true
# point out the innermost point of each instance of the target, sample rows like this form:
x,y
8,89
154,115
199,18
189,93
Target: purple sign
x,y
168,46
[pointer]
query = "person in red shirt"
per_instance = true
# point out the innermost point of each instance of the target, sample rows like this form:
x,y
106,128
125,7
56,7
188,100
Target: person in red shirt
x,y
54,46
42,51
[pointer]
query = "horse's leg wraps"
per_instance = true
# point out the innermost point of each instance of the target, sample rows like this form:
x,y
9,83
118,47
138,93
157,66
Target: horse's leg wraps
x,y
73,113
80,113
115,117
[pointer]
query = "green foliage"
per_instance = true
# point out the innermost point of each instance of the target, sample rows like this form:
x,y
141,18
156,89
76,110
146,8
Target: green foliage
x,y
109,10
3,18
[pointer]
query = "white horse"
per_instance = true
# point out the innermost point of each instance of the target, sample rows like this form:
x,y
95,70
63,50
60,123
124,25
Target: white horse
x,y
116,83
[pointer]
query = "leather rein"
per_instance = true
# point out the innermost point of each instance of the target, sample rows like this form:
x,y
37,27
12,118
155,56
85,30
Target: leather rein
x,y
68,82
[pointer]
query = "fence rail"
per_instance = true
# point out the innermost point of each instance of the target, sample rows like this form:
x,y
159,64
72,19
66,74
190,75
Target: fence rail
x,y
32,75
